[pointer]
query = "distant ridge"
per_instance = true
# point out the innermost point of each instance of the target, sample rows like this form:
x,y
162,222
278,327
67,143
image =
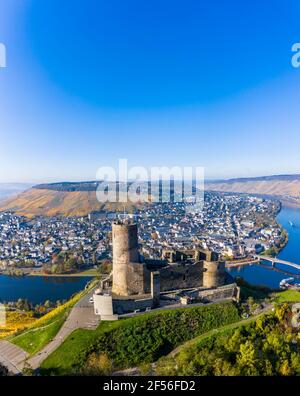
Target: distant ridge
x,y
259,178
285,187
79,198
69,186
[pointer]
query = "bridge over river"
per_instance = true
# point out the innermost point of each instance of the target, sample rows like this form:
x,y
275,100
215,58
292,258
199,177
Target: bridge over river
x,y
274,261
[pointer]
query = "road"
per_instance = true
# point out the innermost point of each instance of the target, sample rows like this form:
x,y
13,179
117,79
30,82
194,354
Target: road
x,y
81,316
12,357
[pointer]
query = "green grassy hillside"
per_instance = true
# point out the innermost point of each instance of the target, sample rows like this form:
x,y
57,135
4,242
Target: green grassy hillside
x,y
267,345
137,340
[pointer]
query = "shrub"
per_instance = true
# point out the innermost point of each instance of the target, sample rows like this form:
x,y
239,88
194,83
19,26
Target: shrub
x,y
148,337
265,346
98,364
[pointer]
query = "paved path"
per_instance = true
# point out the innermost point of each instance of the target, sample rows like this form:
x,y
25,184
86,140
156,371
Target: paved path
x,y
12,357
81,316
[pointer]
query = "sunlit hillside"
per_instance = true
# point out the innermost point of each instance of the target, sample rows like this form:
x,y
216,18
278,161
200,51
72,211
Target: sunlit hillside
x,y
41,200
284,186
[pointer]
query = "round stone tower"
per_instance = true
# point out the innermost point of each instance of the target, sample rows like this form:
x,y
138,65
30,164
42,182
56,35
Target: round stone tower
x,y
214,273
125,251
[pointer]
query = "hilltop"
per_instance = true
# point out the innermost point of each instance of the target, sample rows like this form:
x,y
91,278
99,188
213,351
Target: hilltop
x,y
60,199
285,187
79,198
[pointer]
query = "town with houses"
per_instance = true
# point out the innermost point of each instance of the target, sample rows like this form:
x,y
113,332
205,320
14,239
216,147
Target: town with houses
x,y
233,225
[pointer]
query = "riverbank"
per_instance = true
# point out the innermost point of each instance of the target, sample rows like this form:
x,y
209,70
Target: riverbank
x,y
273,251
266,275
38,289
289,219
90,272
291,203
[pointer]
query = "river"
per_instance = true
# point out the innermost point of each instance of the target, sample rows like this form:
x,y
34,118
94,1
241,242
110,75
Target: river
x,y
38,289
265,275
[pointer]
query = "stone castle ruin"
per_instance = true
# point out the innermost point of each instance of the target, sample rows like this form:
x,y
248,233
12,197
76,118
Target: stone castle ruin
x,y
178,278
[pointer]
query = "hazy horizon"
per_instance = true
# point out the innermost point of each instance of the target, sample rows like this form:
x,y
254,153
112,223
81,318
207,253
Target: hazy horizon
x,y
84,180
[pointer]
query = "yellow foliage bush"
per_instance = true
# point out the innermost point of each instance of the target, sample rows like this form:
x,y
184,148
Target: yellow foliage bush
x,y
16,321
56,311
19,321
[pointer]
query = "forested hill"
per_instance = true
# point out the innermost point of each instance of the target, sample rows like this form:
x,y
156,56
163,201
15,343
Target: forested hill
x,y
69,186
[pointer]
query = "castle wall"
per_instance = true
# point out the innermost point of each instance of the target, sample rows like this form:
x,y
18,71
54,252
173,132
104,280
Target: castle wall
x,y
130,305
128,272
132,277
103,306
221,293
137,279
214,273
155,287
181,276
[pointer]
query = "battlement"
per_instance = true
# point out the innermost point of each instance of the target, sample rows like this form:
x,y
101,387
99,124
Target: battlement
x,y
187,268
123,220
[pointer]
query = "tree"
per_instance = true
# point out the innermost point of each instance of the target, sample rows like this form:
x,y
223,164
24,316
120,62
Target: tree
x,y
48,304
27,370
4,372
282,311
234,342
99,364
252,305
285,368
267,368
105,267
247,359
54,268
295,362
224,368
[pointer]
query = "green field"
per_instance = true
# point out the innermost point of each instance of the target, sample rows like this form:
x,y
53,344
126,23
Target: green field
x,y
137,340
33,340
45,328
287,296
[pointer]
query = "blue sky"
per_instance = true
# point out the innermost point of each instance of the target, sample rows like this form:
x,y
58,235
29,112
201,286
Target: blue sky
x,y
187,83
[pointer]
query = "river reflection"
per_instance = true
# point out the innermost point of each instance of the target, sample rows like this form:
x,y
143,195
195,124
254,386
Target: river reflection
x,y
38,289
265,275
